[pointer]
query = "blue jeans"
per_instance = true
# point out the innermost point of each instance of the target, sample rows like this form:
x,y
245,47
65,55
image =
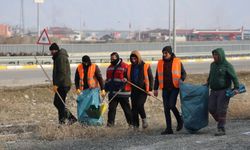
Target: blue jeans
x,y
169,103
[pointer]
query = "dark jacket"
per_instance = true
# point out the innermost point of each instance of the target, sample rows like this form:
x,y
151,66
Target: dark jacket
x,y
61,69
222,73
168,81
98,76
137,74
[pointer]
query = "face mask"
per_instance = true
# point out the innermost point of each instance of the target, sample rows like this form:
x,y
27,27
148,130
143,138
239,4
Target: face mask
x,y
85,64
114,62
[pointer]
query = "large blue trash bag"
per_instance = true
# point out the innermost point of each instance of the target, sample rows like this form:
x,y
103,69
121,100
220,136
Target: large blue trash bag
x,y
194,106
87,99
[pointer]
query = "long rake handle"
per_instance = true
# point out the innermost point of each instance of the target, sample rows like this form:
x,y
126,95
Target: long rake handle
x,y
143,90
114,95
49,80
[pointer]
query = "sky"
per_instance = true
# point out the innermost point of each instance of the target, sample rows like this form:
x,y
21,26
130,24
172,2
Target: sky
x,y
118,14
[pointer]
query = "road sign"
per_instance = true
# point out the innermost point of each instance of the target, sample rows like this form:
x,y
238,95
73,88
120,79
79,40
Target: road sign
x,y
44,38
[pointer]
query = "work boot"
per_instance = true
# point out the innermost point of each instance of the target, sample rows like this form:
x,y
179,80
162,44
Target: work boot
x,y
167,131
62,121
179,125
110,124
221,131
144,123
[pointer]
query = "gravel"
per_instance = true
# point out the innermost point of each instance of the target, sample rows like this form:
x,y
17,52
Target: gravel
x,y
237,137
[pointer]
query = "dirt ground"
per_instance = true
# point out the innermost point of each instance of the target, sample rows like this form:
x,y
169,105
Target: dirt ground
x,y
28,113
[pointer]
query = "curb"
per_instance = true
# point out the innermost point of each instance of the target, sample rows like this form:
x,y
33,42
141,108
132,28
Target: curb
x,y
26,67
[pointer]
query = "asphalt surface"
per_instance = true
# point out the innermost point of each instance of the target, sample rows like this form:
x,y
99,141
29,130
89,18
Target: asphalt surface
x,y
26,77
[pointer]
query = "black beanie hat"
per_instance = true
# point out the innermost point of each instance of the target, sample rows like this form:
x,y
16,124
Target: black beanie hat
x,y
167,49
86,59
54,46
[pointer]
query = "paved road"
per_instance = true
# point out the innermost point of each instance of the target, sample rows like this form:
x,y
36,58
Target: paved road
x,y
36,76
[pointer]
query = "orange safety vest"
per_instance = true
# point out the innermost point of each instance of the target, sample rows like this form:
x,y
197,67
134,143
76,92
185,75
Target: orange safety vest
x,y
145,72
176,72
92,81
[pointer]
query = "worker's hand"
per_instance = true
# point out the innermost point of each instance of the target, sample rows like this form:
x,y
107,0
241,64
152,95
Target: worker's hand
x,y
236,91
150,93
55,88
155,93
124,80
103,93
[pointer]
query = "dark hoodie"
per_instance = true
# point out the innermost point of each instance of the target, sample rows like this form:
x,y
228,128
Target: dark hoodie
x,y
222,73
61,69
137,73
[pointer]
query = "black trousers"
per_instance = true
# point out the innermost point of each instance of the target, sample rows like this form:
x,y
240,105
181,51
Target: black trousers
x,y
138,100
63,113
169,103
124,102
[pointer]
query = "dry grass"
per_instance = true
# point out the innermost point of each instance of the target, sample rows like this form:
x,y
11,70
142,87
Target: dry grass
x,y
34,104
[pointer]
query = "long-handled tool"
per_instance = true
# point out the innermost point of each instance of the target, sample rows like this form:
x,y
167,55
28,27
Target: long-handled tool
x,y
52,84
143,90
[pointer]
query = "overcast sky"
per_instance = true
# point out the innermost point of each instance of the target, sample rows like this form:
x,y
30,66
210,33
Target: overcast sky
x,y
116,14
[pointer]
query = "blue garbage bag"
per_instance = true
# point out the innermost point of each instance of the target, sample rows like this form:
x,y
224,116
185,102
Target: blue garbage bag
x,y
89,99
194,106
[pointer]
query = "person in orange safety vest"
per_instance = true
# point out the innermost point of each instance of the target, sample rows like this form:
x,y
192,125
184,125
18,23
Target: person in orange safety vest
x,y
140,74
88,75
169,72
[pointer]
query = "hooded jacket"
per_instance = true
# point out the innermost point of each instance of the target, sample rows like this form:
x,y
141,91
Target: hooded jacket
x,y
222,73
61,69
137,73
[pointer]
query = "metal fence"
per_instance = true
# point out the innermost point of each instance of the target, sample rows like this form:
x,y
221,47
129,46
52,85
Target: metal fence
x,y
102,47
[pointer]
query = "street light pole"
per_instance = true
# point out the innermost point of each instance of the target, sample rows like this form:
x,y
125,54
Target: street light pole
x,y
38,2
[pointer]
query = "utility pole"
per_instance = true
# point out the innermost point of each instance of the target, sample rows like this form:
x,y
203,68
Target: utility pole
x,y
169,23
174,30
21,28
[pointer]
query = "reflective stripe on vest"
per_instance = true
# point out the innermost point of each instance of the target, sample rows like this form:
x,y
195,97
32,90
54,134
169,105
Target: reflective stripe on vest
x,y
145,73
118,76
92,81
176,72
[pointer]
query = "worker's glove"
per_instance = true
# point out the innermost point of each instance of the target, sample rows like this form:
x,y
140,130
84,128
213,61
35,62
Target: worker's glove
x,y
55,88
103,93
78,91
155,93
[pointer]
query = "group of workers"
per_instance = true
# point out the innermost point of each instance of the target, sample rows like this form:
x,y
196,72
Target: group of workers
x,y
135,81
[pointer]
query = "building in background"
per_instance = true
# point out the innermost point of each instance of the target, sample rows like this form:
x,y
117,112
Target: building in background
x,y
5,30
